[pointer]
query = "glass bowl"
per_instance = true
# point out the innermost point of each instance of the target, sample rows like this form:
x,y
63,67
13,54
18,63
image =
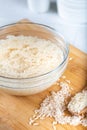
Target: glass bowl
x,y
33,85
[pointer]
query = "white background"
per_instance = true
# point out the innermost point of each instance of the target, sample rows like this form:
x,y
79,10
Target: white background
x,y
14,10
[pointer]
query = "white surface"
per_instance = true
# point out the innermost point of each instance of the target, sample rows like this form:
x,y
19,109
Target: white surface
x,y
14,10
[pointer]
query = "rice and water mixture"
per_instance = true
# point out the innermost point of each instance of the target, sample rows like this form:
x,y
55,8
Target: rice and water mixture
x,y
28,56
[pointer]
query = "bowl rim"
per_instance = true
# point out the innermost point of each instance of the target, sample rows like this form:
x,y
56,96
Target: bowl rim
x,y
49,28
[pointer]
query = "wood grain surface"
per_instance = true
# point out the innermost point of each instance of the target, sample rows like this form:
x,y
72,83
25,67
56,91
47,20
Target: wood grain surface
x,y
15,111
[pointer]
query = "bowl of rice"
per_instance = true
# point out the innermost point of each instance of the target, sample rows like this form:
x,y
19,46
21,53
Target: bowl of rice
x,y
32,57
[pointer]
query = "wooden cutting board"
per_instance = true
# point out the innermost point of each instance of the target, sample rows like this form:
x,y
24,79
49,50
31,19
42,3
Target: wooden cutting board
x,y
16,111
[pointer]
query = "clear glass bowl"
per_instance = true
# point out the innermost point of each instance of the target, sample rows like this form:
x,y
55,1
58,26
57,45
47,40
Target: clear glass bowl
x,y
33,85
